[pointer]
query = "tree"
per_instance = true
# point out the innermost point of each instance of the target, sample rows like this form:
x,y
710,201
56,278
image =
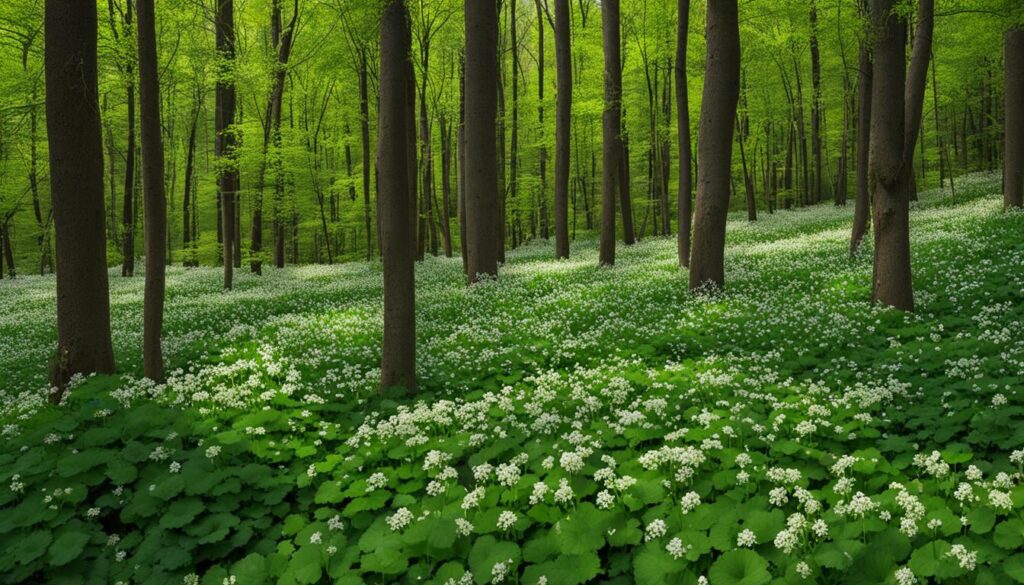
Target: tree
x,y
684,203
563,124
225,138
887,174
76,185
483,219
862,204
397,200
612,125
917,78
1013,161
155,205
714,143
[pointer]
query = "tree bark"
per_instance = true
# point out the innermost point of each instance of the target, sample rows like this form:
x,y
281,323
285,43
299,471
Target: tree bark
x,y
612,126
1013,157
397,202
483,219
917,80
862,203
816,105
563,121
128,211
76,185
153,195
186,207
224,146
714,143
684,197
891,280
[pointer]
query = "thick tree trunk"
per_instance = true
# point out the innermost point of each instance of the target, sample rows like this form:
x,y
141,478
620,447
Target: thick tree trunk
x,y
714,143
563,122
483,219
891,282
397,202
684,197
917,81
227,183
612,125
153,196
76,187
862,203
1013,157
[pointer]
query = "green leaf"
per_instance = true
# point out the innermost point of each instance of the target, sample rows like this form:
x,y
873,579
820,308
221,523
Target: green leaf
x,y
1014,567
652,565
304,565
1010,534
31,547
740,567
581,532
981,520
67,547
486,553
927,560
181,512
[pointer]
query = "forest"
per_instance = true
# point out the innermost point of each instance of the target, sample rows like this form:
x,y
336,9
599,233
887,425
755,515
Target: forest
x,y
531,292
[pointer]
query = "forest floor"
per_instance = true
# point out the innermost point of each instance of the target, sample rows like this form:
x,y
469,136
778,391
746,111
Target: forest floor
x,y
574,424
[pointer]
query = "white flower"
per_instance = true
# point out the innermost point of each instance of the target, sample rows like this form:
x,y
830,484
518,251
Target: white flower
x,y
605,499
540,489
463,527
315,538
656,529
747,538
820,528
499,572
998,400
400,519
787,540
174,467
675,548
472,499
904,576
571,462
335,523
689,502
1000,500
968,559
508,474
506,520
376,481
93,513
212,451
803,569
1017,457
564,493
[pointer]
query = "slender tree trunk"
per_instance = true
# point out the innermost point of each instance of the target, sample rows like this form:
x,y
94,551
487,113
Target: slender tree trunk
x,y
917,81
483,216
748,184
888,173
862,204
364,120
684,197
816,105
714,143
1013,156
563,121
127,212
225,139
76,186
446,185
612,125
514,146
154,199
186,207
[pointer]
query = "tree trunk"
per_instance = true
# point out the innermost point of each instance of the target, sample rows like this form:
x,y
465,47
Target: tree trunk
x,y
225,140
612,126
816,105
684,197
1013,157
483,218
364,120
153,195
397,201
862,204
714,143
127,211
891,281
76,186
186,206
563,121
917,80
